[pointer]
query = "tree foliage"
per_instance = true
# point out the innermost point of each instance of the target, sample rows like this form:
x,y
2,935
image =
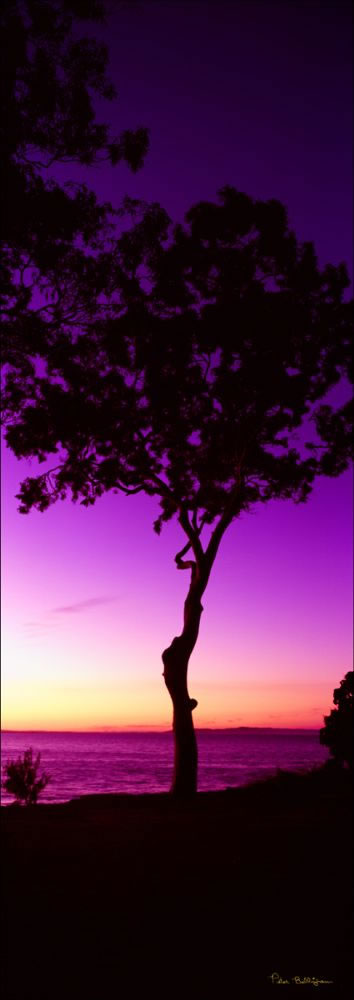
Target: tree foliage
x,y
51,78
21,778
338,730
192,380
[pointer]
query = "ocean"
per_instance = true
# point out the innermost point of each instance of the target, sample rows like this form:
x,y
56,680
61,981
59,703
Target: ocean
x,y
96,763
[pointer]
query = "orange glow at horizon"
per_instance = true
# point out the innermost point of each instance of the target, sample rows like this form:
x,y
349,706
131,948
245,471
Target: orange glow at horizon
x,y
298,705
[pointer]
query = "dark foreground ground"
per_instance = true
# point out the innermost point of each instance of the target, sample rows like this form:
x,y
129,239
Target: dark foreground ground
x,y
125,896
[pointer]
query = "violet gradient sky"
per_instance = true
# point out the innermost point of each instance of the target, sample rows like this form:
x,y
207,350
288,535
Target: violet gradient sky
x,y
256,95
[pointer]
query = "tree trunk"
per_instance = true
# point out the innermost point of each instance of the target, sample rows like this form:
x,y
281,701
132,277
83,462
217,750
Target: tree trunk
x,y
176,657
175,660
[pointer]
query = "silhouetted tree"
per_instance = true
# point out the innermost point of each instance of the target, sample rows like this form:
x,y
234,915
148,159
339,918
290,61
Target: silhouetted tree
x,y
216,344
49,79
338,730
21,778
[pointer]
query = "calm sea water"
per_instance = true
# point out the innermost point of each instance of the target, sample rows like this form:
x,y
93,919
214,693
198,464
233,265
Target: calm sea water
x,y
86,763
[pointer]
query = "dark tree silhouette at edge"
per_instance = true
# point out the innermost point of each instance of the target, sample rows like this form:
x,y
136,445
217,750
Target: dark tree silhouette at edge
x,y
337,733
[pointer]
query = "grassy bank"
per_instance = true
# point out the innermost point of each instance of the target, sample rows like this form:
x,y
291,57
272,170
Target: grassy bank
x,y
121,896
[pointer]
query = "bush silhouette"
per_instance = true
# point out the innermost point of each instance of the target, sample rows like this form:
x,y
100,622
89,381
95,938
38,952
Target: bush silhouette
x,y
21,778
337,734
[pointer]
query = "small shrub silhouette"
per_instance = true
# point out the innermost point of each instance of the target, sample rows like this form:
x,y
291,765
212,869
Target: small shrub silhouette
x,y
21,778
337,734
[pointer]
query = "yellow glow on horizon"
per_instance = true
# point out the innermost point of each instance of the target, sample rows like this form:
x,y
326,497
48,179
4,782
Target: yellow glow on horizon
x,y
81,707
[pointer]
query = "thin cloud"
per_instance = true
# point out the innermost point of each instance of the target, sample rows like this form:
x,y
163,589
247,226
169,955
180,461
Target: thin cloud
x,y
33,624
77,606
36,625
38,628
35,630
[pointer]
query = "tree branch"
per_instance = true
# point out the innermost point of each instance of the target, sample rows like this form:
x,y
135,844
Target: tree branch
x,y
192,535
127,491
221,526
185,563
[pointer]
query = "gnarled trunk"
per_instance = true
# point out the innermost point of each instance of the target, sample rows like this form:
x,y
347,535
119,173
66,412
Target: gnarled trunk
x,y
175,660
176,657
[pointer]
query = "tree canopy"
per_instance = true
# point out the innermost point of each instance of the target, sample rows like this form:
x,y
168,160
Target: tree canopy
x,y
214,343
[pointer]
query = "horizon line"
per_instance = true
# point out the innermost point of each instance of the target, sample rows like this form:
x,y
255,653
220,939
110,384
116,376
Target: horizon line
x,y
155,729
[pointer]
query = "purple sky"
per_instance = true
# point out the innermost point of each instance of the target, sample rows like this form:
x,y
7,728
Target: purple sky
x,y
256,95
